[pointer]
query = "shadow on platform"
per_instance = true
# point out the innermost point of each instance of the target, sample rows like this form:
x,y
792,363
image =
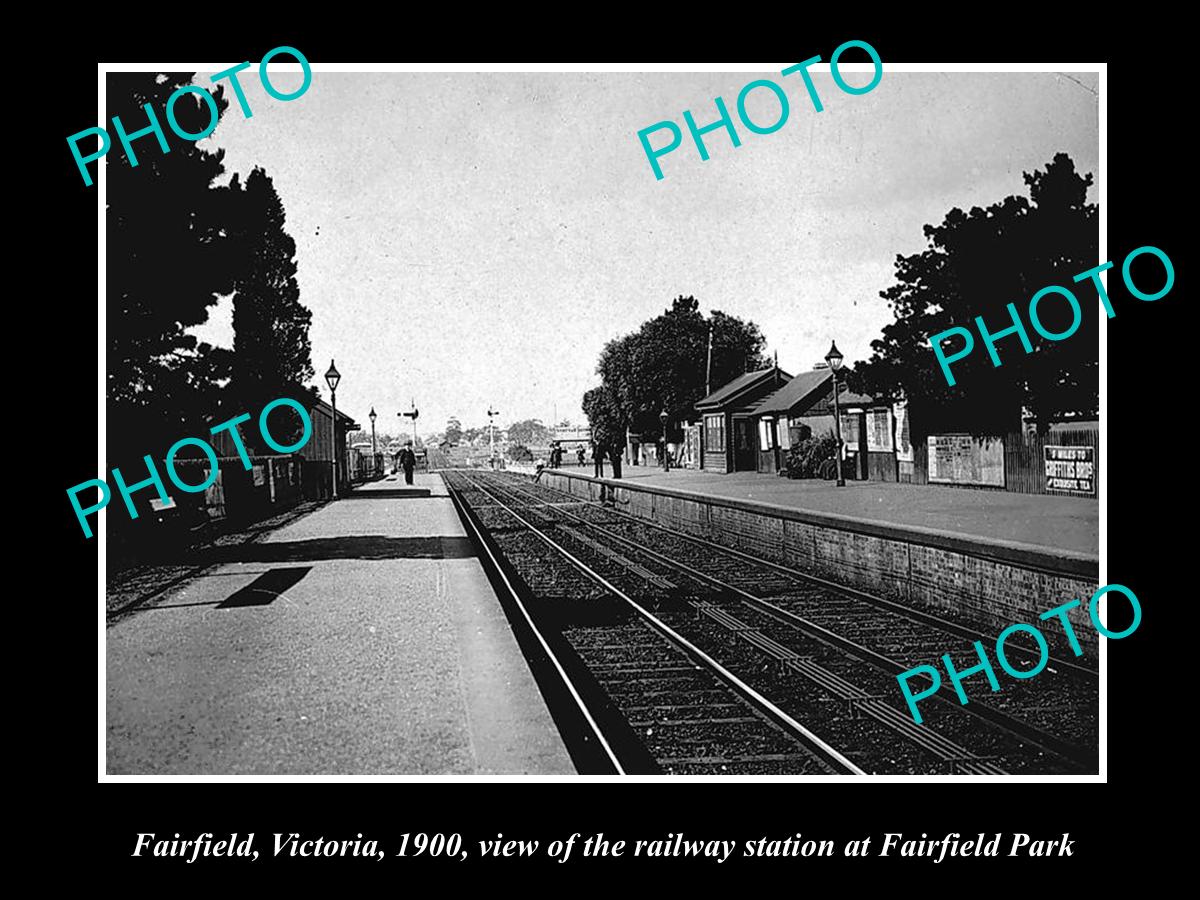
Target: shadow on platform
x,y
263,590
367,546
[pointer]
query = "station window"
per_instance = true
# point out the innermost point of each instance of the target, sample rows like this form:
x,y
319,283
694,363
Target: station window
x,y
766,434
714,434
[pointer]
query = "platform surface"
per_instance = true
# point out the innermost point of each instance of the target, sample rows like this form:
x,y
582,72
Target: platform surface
x,y
362,639
1038,520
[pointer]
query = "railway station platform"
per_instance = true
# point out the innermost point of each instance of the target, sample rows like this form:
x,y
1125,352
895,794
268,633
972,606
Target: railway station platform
x,y
1051,523
361,639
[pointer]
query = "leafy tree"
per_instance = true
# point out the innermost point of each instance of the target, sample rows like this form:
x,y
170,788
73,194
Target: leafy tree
x,y
529,431
170,256
602,406
272,355
662,366
976,264
454,432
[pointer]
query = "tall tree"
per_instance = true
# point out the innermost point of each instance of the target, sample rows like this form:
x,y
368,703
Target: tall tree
x,y
169,257
608,420
454,430
663,366
976,263
272,355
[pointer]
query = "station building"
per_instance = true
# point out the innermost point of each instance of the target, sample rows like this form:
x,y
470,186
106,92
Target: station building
x,y
317,453
749,424
804,408
727,439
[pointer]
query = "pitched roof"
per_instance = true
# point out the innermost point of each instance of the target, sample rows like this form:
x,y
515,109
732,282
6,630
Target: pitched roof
x,y
729,392
794,392
809,392
347,421
846,398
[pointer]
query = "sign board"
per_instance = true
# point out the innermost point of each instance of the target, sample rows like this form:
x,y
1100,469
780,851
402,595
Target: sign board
x,y
214,495
904,448
1071,469
879,431
963,459
691,446
850,435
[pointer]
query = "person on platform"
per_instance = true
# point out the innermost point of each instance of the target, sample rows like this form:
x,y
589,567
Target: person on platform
x,y
614,456
579,453
597,460
408,462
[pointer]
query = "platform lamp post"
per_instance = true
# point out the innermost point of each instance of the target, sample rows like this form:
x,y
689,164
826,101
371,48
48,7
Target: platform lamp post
x,y
834,358
332,377
374,454
491,414
662,417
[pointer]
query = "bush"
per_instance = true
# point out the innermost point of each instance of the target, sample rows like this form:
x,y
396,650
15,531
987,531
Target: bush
x,y
808,458
520,453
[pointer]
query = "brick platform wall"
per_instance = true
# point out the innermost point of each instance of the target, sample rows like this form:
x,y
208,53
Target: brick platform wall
x,y
989,585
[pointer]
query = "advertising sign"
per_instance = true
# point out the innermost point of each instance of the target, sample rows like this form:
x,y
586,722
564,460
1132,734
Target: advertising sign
x,y
1071,470
963,459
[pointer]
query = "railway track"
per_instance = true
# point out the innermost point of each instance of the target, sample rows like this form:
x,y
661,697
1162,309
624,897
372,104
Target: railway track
x,y
650,697
827,654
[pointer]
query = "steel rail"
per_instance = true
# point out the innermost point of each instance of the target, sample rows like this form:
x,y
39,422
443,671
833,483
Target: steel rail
x,y
541,640
761,702
930,741
1046,741
854,593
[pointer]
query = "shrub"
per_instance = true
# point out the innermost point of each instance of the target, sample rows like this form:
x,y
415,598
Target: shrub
x,y
813,458
520,453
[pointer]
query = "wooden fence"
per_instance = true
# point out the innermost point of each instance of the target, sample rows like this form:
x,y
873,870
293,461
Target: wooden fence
x,y
1025,460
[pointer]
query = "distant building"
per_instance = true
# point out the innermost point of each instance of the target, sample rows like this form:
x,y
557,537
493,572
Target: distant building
x,y
317,452
577,433
570,437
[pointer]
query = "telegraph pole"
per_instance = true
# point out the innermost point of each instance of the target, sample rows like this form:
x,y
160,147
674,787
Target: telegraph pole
x,y
708,368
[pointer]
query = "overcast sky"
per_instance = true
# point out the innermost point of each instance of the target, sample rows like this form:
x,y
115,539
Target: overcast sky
x,y
475,239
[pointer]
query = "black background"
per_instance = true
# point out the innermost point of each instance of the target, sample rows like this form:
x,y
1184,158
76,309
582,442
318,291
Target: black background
x,y
1149,461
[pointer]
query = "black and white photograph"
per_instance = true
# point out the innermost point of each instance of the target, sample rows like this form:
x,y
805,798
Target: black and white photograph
x,y
576,422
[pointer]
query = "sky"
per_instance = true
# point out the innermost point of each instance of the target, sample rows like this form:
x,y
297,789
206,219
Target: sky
x,y
474,239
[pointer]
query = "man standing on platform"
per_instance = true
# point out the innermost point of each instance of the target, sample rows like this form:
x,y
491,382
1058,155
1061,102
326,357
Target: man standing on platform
x,y
615,453
408,461
598,460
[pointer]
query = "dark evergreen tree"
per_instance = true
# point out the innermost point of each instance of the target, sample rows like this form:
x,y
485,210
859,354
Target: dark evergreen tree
x,y
169,257
272,354
976,264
